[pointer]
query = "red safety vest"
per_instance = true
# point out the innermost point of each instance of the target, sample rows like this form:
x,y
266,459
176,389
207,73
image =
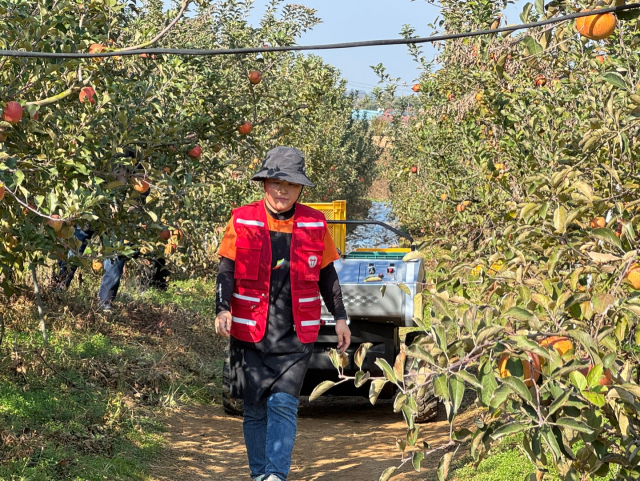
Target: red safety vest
x,y
250,301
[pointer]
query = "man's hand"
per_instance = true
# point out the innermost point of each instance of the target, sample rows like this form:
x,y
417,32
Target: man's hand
x,y
223,323
344,334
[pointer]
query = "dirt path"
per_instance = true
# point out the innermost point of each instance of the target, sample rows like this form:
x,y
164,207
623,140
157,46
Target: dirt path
x,y
338,439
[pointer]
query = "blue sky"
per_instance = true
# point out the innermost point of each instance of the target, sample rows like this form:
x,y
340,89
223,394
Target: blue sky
x,y
353,20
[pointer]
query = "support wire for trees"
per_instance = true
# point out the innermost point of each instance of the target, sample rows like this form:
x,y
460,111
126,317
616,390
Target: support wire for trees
x,y
297,48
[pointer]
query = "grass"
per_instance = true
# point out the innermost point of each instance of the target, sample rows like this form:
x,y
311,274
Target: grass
x,y
87,406
505,462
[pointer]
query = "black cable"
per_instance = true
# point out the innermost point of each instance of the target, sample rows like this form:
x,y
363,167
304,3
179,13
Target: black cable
x,y
297,48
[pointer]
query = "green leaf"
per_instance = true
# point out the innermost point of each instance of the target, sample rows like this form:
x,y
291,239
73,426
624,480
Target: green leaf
x,y
602,302
440,305
461,435
420,353
470,378
375,389
387,370
417,458
413,255
585,339
443,466
18,178
488,333
578,380
361,354
456,392
440,387
361,378
540,7
633,389
386,474
533,47
575,425
560,219
499,396
488,381
594,375
607,235
335,358
508,429
412,435
399,402
440,336
383,289
320,389
585,189
520,314
594,398
615,79
560,402
552,442
403,287
518,387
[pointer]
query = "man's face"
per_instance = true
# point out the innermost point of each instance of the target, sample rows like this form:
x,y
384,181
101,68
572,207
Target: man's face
x,y
280,194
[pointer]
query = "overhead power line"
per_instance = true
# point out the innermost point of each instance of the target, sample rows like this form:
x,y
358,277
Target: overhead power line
x,y
298,48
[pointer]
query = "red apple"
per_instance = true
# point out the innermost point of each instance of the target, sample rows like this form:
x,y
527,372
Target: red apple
x,y
255,77
86,94
195,152
55,224
12,112
414,169
245,128
165,234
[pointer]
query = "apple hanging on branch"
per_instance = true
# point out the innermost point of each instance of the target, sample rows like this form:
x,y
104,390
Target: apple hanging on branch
x,y
55,223
245,128
140,184
12,112
255,77
195,152
86,95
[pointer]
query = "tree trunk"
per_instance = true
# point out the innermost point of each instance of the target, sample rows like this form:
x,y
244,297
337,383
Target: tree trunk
x,y
36,289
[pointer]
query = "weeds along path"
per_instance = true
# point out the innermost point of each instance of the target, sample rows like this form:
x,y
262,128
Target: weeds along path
x,y
338,439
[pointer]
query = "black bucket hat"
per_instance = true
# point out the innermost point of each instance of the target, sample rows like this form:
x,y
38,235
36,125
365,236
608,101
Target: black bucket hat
x,y
284,163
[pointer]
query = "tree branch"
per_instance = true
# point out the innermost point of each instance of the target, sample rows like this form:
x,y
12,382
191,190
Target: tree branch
x,y
185,4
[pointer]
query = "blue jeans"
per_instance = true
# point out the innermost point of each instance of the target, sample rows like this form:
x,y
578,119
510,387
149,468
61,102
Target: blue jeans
x,y
269,434
113,269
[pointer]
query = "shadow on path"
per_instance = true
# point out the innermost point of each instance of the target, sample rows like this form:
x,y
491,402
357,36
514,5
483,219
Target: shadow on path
x,y
338,439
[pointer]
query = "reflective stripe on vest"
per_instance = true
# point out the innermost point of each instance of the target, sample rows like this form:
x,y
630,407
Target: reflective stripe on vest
x,y
246,298
310,299
239,320
256,223
310,323
310,224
